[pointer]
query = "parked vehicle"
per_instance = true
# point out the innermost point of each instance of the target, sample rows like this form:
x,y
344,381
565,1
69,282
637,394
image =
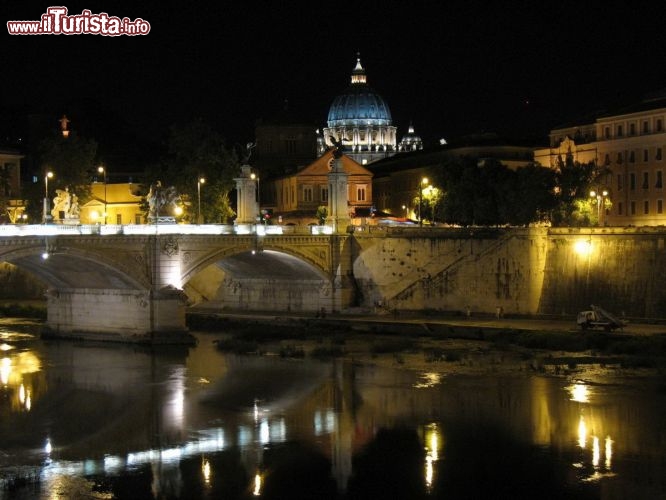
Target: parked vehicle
x,y
597,317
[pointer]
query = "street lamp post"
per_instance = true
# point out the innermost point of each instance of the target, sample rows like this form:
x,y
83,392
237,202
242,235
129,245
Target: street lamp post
x,y
102,171
45,216
199,183
600,197
255,177
424,181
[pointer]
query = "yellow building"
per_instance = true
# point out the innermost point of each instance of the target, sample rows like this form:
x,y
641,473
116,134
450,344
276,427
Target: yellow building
x,y
121,203
630,143
10,186
296,197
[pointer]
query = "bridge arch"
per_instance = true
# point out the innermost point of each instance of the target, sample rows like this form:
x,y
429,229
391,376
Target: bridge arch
x,y
261,280
71,267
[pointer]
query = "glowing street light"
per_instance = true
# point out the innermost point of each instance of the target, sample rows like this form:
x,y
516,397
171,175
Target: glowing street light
x,y
255,177
600,197
424,182
49,175
199,183
102,171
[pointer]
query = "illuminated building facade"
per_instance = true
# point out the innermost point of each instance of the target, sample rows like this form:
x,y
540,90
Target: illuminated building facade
x,y
410,141
630,144
10,186
297,197
361,121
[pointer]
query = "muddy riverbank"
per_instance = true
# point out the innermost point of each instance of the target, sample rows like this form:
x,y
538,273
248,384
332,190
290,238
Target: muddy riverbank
x,y
449,347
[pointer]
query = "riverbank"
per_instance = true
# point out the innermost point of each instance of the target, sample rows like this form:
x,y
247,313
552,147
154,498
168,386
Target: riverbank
x,y
447,346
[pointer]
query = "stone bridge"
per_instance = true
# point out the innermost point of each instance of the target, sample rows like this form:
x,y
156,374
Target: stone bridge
x,y
130,286
135,283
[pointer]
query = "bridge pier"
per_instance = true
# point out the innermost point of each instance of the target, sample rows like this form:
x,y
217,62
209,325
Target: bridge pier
x,y
118,315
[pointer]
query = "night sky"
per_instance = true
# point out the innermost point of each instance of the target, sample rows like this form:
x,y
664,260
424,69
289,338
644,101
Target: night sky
x,y
452,67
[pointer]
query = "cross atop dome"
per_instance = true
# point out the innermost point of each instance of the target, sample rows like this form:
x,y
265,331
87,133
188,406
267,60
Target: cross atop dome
x,y
358,74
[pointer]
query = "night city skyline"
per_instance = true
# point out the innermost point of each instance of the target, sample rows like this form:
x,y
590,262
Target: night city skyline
x,y
453,69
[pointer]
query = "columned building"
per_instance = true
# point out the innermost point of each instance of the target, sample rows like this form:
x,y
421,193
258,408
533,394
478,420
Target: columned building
x,y
360,120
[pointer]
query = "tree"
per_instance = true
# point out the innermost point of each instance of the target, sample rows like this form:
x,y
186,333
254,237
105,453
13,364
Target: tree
x,y
196,151
72,161
574,180
5,193
486,192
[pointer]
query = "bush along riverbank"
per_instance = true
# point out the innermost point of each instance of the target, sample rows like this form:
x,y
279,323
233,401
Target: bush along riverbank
x,y
18,310
445,349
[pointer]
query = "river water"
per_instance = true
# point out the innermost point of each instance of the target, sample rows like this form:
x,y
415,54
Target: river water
x,y
100,421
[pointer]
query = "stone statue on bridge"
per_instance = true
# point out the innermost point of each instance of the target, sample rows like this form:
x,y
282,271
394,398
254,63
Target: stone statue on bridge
x,y
65,206
162,202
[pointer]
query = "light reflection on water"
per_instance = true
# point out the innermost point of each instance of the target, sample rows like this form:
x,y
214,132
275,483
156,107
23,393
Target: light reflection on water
x,y
151,412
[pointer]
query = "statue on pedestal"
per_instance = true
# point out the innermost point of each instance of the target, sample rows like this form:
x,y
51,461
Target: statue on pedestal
x,y
162,202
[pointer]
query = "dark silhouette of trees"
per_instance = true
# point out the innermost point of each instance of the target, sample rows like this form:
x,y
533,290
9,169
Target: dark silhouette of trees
x,y
196,151
485,192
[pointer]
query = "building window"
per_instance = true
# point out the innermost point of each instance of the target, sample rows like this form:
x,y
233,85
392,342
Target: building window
x,y
324,194
360,193
632,129
307,193
632,181
659,125
619,208
646,127
632,157
646,207
633,208
660,207
293,195
290,146
137,218
646,181
619,182
646,155
620,132
119,219
619,158
606,132
659,183
657,155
